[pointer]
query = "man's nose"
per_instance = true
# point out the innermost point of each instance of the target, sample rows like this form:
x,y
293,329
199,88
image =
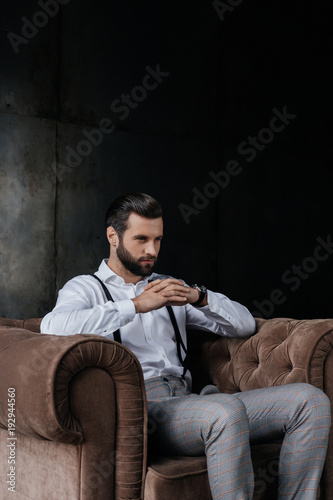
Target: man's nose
x,y
150,249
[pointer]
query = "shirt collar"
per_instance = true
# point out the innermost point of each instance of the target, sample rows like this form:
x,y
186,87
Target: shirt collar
x,y
107,275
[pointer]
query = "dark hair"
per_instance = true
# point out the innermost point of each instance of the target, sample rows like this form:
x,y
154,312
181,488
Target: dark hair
x,y
120,209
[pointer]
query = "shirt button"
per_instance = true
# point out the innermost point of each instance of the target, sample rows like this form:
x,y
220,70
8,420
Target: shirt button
x,y
126,321
149,338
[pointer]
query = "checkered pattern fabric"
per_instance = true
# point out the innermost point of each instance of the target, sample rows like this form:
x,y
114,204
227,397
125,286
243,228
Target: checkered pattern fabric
x,y
222,426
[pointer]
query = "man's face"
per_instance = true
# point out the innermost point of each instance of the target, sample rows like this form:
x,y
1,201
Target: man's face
x,y
139,247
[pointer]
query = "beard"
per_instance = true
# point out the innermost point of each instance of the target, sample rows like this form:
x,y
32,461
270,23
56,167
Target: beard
x,y
133,265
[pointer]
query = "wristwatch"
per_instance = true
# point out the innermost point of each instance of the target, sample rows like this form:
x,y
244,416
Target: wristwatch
x,y
203,292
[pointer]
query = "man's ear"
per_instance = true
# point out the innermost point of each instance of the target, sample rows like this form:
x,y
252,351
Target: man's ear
x,y
112,236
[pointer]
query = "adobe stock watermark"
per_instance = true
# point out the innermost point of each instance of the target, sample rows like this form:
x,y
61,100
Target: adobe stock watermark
x,y
30,28
11,440
264,476
293,277
223,7
122,107
248,148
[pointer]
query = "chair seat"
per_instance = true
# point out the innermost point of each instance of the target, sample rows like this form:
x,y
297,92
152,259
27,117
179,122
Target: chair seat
x,y
178,477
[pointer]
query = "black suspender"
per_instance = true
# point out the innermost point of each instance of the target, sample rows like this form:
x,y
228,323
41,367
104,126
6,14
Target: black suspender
x,y
116,334
179,340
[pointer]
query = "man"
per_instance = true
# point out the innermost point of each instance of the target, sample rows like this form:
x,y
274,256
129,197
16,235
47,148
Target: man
x,y
126,301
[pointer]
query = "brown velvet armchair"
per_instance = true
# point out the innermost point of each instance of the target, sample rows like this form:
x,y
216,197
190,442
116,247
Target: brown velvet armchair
x,y
80,427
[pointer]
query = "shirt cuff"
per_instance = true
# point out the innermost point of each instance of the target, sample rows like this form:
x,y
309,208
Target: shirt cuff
x,y
213,303
126,310
214,307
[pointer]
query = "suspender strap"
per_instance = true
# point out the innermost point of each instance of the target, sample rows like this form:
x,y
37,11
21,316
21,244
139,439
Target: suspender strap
x,y
116,334
179,340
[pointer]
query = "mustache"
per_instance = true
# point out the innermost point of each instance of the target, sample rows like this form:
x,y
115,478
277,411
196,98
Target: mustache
x,y
148,257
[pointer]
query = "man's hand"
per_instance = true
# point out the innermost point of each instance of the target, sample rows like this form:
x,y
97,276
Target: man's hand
x,y
166,292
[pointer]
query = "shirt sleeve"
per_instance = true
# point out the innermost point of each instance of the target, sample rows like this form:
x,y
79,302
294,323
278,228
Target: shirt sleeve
x,y
222,316
79,309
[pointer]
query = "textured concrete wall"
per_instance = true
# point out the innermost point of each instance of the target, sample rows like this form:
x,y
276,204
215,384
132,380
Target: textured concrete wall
x,y
98,98
28,106
27,214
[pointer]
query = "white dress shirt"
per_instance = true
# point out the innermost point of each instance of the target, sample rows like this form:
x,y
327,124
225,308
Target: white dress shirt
x,y
82,308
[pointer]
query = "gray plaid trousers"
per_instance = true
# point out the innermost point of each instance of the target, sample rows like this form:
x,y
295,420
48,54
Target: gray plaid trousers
x,y
222,426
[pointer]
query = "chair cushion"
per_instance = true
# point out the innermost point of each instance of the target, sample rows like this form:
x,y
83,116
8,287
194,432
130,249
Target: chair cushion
x,y
179,477
176,477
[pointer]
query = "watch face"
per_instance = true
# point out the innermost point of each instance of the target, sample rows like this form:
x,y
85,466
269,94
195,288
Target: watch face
x,y
201,288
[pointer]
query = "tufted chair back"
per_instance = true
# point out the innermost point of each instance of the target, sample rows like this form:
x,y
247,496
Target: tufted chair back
x,y
283,351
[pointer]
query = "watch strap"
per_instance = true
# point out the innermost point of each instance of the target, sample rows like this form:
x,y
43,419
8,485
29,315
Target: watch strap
x,y
202,295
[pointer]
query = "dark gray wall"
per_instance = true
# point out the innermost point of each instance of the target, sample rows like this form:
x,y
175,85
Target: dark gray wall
x,y
222,74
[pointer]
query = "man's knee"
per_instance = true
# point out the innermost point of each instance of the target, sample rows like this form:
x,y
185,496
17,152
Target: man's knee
x,y
224,411
312,398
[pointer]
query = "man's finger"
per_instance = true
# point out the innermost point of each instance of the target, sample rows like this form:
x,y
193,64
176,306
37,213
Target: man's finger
x,y
159,285
176,300
175,290
152,283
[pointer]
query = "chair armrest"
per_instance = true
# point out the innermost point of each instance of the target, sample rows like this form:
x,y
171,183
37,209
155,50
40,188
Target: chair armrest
x,y
282,351
45,370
